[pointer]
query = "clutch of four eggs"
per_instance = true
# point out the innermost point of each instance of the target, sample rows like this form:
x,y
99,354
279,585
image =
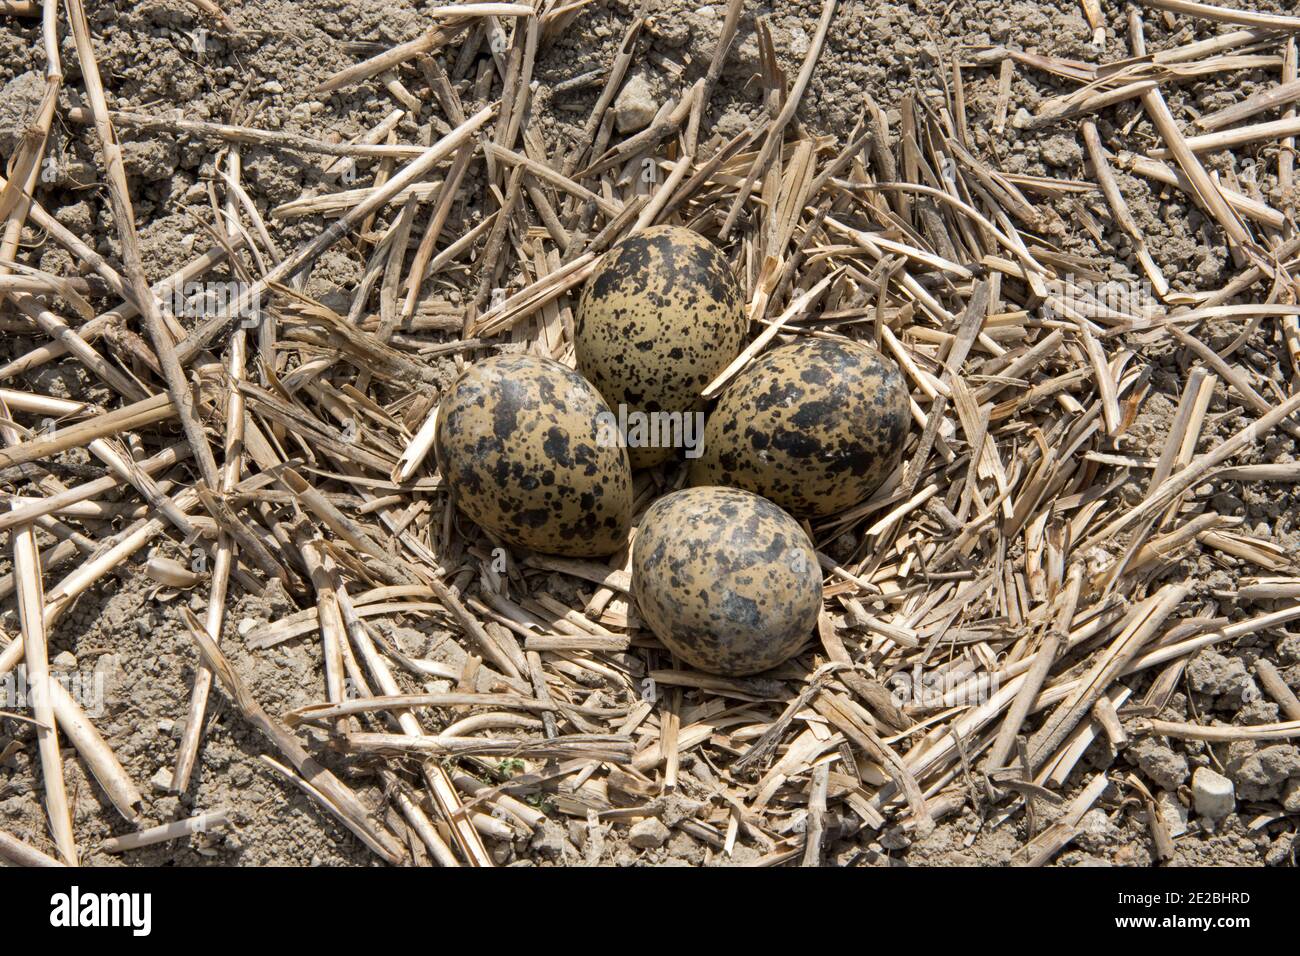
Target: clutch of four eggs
x,y
807,429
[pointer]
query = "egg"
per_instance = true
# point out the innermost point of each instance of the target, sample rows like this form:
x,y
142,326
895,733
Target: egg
x,y
659,319
519,443
726,580
815,426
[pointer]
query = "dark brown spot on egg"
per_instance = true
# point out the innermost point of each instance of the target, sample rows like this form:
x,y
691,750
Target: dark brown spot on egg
x,y
726,580
815,426
659,319
518,444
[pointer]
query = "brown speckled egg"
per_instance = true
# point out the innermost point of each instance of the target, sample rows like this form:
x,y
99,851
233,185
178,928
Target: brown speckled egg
x,y
816,426
659,319
726,580
520,448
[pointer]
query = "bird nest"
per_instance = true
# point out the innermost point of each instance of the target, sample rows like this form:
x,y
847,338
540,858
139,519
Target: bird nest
x,y
984,610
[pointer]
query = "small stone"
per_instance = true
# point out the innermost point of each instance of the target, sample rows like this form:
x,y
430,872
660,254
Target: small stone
x,y
649,834
1282,852
799,42
670,31
678,808
549,841
108,670
1165,767
78,217
151,161
1062,152
20,101
162,780
1095,823
895,838
1172,812
1260,772
635,106
1271,765
577,832
1213,794
1291,796
1288,649
1215,675
246,625
64,661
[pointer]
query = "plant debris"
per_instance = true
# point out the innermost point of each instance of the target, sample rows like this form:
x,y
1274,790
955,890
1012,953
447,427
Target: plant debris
x,y
981,609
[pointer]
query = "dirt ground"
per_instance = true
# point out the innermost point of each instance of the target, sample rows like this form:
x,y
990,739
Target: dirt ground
x,y
262,72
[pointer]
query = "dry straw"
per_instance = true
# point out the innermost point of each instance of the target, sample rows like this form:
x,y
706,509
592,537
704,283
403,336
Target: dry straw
x,y
983,607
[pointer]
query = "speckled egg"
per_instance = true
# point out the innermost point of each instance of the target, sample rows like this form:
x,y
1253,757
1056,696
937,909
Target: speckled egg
x,y
726,580
519,444
816,426
660,318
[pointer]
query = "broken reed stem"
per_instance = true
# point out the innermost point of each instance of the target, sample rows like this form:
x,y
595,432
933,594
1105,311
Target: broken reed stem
x,y
31,603
414,171
230,472
1284,93
776,131
1109,666
398,702
1287,149
1205,189
434,775
1277,688
105,322
177,829
1119,208
246,135
458,17
1057,634
1206,11
320,568
25,164
607,748
313,773
1241,136
1180,481
178,386
1169,728
97,755
15,851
